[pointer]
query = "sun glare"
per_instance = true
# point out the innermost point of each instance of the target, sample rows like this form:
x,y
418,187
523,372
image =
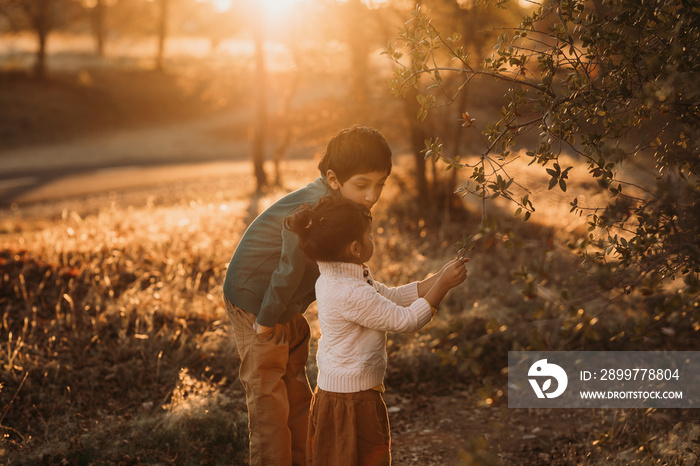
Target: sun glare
x,y
222,5
277,10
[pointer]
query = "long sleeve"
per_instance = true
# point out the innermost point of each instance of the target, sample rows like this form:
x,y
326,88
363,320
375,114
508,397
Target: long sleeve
x,y
284,281
401,295
370,309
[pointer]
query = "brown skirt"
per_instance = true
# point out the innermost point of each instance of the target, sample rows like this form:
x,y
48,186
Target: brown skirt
x,y
348,429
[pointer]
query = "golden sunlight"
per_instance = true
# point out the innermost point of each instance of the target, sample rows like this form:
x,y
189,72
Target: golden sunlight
x,y
276,11
221,5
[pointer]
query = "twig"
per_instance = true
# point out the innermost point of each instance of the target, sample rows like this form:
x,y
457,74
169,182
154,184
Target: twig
x,y
7,408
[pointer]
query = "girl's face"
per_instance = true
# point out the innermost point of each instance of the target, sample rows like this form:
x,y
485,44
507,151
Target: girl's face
x,y
366,246
363,188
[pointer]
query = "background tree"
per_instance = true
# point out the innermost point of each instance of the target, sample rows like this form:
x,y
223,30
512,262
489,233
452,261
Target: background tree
x,y
41,17
614,84
476,24
260,125
162,30
99,26
358,41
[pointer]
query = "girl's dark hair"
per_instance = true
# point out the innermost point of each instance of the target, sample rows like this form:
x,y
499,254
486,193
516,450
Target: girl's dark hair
x,y
325,230
356,150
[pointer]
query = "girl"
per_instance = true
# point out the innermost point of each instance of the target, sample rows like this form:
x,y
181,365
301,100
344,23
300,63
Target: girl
x,y
348,423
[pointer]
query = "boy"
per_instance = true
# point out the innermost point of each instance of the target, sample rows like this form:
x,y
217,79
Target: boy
x,y
270,283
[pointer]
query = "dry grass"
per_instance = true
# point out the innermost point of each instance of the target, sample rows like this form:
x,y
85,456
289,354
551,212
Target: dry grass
x,y
103,310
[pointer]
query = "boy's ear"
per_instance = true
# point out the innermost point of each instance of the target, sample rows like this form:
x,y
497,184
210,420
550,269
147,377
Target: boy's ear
x,y
332,180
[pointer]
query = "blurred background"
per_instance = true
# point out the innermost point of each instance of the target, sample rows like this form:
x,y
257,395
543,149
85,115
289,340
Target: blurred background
x,y
201,80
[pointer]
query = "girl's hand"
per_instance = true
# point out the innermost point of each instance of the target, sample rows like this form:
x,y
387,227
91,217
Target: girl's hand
x,y
433,289
453,273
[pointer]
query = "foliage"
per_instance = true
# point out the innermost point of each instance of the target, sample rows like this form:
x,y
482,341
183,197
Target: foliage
x,y
611,83
462,355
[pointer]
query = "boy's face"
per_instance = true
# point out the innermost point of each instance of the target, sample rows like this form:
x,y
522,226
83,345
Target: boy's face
x,y
363,188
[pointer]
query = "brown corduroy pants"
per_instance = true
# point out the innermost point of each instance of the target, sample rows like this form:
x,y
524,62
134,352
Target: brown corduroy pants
x,y
278,394
348,429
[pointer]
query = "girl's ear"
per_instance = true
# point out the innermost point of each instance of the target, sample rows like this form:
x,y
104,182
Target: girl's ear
x,y
353,251
332,180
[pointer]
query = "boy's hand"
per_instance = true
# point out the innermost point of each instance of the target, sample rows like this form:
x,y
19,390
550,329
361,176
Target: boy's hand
x,y
259,329
453,273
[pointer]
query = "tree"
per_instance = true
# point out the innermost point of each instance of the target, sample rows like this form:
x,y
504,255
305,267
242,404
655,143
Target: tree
x,y
359,45
468,19
261,75
162,31
611,82
99,29
42,17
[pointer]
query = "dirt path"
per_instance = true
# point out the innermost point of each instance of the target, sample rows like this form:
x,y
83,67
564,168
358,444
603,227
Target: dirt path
x,y
125,159
454,430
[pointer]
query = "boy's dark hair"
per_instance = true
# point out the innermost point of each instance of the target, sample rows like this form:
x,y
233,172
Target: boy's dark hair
x,y
326,229
356,150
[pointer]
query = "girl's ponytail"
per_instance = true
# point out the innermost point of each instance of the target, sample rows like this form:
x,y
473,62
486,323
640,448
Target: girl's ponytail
x,y
299,222
326,229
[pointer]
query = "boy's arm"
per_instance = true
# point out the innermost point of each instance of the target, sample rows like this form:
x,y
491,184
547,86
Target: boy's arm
x,y
284,282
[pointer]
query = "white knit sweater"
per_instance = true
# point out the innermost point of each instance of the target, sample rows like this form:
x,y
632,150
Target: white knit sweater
x,y
355,312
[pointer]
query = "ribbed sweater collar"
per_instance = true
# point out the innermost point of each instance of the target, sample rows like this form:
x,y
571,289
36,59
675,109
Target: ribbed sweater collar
x,y
343,269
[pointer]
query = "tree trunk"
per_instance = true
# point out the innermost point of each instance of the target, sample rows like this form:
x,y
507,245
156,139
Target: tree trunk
x,y
164,7
40,65
98,27
260,129
285,124
41,21
359,51
417,137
